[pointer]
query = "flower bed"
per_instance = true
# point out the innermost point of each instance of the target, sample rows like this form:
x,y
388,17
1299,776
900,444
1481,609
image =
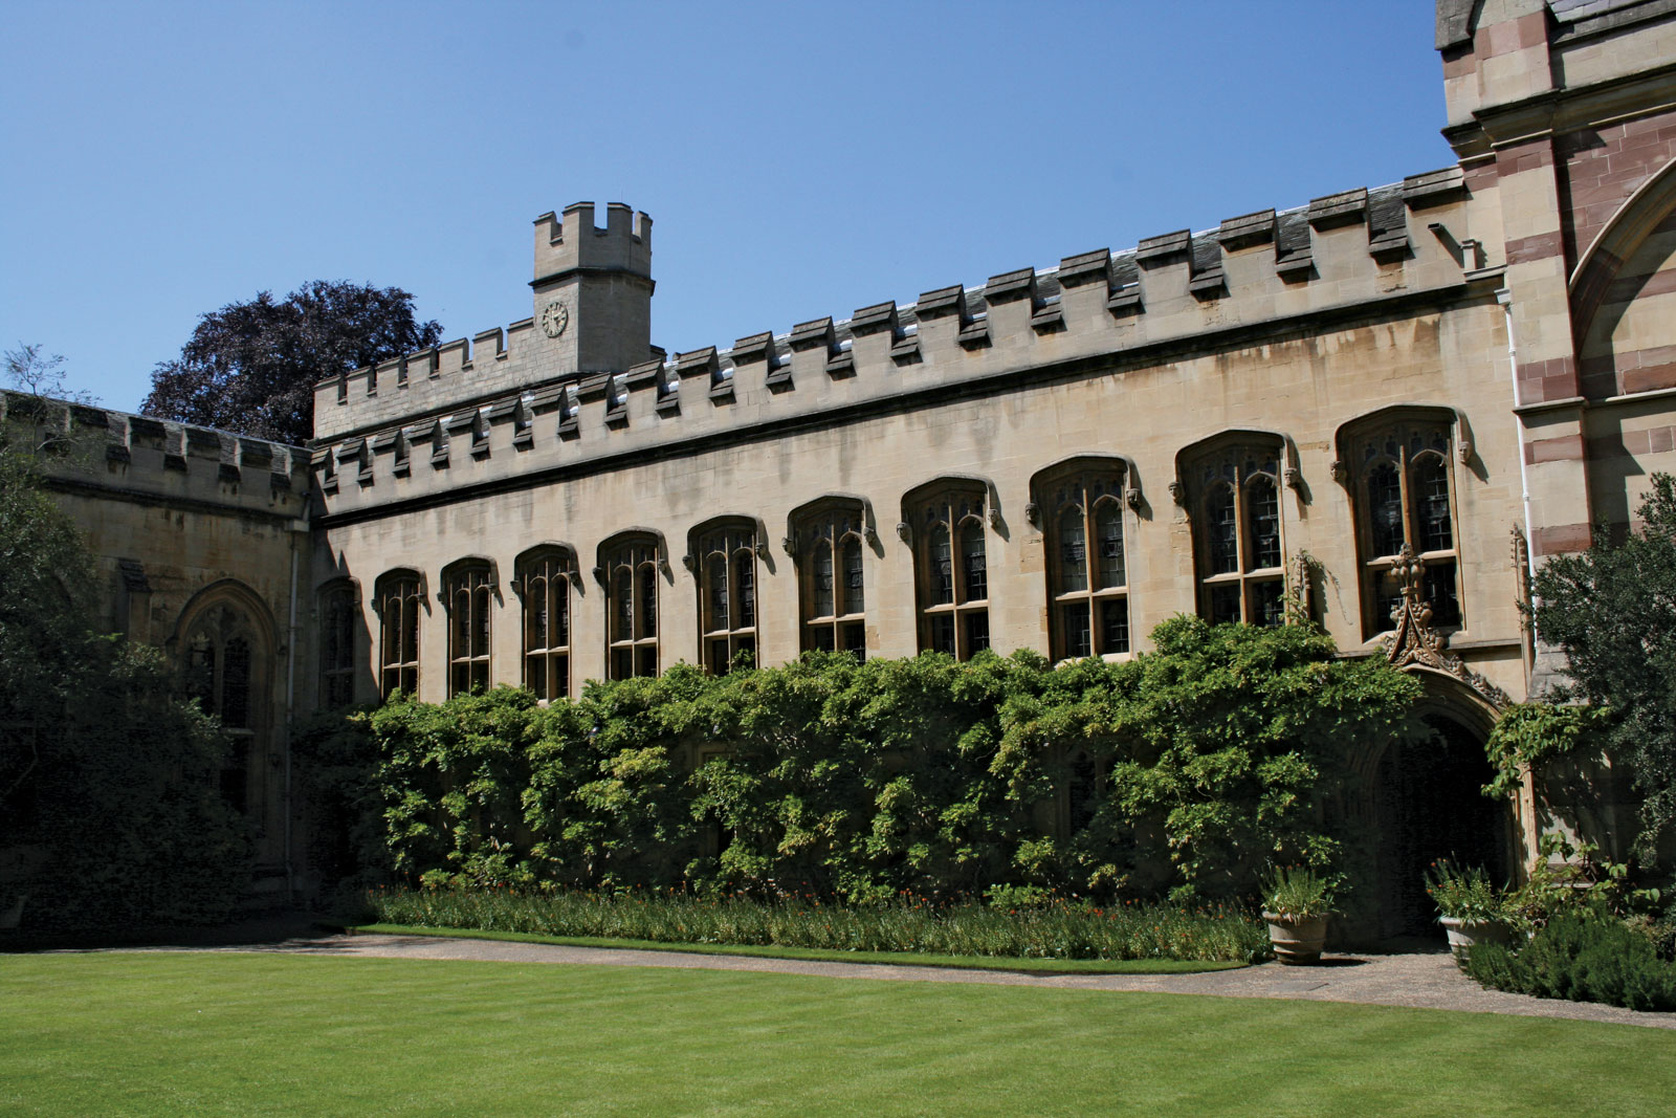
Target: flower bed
x,y
1057,929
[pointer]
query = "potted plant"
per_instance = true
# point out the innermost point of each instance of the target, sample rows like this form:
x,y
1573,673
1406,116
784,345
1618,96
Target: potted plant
x,y
1296,904
1472,910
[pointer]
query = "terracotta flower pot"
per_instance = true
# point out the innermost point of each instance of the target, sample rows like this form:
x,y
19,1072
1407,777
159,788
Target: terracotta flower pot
x,y
1465,934
1297,941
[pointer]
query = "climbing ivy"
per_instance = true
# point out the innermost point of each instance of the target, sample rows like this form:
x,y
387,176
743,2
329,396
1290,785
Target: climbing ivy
x,y
1530,735
1194,766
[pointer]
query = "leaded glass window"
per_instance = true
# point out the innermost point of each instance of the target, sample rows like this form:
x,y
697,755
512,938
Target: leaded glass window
x,y
1234,505
947,525
1088,589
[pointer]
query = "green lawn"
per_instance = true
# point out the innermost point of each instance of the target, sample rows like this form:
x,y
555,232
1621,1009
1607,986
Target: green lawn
x,y
266,1034
823,955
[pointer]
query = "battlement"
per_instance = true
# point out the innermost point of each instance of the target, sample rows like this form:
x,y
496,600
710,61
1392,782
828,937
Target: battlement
x,y
568,244
1265,270
81,446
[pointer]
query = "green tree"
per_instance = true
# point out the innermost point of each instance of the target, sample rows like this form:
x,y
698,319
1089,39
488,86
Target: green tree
x,y
110,813
251,367
1612,611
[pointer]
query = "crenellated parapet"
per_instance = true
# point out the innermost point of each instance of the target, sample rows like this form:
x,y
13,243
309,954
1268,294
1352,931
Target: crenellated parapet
x,y
82,446
471,406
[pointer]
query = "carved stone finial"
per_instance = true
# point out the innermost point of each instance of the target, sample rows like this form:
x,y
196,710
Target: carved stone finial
x,y
1416,644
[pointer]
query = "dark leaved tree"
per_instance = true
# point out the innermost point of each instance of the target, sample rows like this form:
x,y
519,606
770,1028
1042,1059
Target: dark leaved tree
x,y
251,367
1612,610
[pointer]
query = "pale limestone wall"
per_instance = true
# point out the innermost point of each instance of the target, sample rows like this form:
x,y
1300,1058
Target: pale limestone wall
x,y
1300,359
1608,48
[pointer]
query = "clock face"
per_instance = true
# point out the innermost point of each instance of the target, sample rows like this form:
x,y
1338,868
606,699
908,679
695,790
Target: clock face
x,y
555,316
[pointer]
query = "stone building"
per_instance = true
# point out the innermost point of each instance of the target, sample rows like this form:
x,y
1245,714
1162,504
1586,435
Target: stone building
x,y
1385,405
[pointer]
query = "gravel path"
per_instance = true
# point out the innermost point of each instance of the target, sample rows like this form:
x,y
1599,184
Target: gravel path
x,y
1422,981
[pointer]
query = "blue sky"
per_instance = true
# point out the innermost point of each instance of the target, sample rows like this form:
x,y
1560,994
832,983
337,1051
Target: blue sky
x,y
166,159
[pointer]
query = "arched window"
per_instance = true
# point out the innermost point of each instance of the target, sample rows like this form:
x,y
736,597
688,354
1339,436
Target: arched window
x,y
398,596
951,565
219,667
1402,486
339,612
544,585
1081,508
468,589
630,565
1234,506
828,539
724,560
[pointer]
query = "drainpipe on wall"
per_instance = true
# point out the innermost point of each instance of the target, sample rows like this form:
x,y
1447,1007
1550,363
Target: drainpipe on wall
x,y
290,712
1505,298
1527,790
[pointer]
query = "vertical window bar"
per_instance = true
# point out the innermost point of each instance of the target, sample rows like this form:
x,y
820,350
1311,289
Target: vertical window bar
x,y
1263,505
973,563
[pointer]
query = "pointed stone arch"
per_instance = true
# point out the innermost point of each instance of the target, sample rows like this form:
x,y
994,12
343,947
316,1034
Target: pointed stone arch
x,y
225,649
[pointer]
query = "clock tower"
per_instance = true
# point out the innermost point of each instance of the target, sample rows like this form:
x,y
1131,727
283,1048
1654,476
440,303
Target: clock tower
x,y
593,290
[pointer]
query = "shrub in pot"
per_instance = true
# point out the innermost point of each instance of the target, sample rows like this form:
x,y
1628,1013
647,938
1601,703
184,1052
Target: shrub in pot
x,y
1296,904
1472,911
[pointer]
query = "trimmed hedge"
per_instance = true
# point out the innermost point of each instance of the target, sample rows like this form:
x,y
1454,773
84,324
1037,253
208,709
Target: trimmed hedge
x,y
1582,956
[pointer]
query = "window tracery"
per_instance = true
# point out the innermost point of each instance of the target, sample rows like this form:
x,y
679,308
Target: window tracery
x,y
544,586
630,570
398,596
1082,509
468,588
1239,543
339,611
828,536
1402,486
220,671
951,567
724,555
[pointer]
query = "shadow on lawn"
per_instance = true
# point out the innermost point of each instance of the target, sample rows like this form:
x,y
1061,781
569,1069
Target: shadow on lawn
x,y
280,930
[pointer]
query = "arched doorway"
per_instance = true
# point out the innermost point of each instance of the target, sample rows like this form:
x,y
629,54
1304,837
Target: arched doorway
x,y
1428,804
